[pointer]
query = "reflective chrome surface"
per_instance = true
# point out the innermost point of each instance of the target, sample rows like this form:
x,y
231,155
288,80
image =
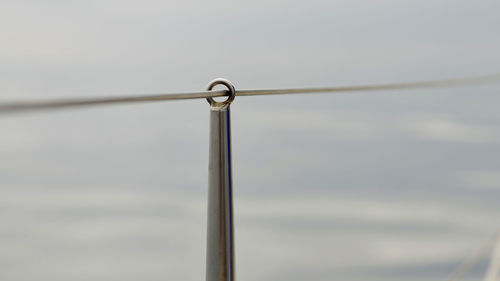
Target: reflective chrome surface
x,y
230,87
220,235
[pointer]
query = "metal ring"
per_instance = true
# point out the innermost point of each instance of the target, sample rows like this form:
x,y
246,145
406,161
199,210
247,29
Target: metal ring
x,y
230,87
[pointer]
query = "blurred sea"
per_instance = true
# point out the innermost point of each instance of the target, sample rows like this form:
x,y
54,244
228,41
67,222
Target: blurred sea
x,y
380,186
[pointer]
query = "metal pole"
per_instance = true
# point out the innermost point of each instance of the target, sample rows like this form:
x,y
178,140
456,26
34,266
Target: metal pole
x,y
220,233
493,273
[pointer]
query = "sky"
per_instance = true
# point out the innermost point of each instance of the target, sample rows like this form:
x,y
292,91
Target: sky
x,y
399,185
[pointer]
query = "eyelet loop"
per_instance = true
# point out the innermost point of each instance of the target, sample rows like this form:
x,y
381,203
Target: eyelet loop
x,y
230,87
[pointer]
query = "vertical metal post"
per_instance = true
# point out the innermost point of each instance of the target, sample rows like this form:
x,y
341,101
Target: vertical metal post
x,y
220,233
493,273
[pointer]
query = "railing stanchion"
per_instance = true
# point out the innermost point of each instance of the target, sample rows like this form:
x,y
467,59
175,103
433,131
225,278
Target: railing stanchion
x,y
220,228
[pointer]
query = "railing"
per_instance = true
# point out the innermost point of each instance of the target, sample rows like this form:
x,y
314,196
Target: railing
x,y
220,234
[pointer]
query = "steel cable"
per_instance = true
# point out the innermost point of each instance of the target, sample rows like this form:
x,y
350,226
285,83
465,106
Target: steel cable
x,y
23,106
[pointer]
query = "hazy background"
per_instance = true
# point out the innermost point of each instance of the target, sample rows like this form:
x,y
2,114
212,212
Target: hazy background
x,y
379,186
